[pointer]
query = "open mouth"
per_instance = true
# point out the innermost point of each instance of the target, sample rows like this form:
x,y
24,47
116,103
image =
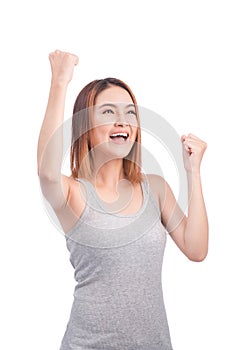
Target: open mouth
x,y
120,136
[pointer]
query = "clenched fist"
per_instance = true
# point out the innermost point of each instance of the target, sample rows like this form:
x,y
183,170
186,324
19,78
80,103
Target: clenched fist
x,y
193,151
62,66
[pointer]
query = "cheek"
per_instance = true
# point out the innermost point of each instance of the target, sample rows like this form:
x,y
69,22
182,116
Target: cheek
x,y
99,134
134,132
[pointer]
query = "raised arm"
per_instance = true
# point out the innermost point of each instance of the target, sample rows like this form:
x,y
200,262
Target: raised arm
x,y
54,185
190,232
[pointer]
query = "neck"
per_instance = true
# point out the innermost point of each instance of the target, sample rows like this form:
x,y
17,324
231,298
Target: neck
x,y
109,173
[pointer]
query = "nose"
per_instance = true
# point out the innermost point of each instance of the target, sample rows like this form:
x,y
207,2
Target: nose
x,y
121,120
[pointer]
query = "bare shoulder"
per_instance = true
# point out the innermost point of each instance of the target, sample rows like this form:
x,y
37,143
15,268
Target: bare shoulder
x,y
155,179
157,183
70,182
76,194
158,186
75,204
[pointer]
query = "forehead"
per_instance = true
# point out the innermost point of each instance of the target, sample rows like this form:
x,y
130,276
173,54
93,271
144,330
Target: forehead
x,y
113,94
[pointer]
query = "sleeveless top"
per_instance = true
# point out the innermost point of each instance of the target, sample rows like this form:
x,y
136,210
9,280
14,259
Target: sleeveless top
x,y
118,300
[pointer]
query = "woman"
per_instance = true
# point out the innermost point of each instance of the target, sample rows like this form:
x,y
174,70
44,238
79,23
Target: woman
x,y
114,217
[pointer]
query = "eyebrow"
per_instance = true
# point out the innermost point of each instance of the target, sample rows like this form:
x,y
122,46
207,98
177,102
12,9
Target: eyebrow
x,y
114,106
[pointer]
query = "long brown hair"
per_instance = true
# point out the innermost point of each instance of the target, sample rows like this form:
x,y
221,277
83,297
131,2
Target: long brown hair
x,y
81,137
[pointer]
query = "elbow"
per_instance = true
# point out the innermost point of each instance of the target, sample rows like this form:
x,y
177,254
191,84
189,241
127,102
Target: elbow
x,y
48,172
197,250
46,177
197,257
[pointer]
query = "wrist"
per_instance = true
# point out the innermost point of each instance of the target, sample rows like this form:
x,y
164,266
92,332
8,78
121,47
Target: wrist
x,y
59,83
193,172
194,177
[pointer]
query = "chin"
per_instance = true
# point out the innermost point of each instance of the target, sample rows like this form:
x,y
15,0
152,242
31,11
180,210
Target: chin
x,y
112,151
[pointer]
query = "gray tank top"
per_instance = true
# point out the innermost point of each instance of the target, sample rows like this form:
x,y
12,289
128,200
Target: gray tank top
x,y
118,300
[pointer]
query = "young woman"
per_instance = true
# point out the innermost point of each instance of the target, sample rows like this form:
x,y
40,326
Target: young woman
x,y
114,217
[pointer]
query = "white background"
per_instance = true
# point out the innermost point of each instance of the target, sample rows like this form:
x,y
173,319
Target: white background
x,y
178,57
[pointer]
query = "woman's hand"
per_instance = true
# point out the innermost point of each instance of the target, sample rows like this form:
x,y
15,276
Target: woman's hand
x,y
62,66
193,150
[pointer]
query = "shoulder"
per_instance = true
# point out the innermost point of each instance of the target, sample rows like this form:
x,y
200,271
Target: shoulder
x,y
76,186
154,179
158,186
156,182
75,204
76,193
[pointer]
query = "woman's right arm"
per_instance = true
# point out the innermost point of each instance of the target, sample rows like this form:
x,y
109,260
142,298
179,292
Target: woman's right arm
x,y
54,185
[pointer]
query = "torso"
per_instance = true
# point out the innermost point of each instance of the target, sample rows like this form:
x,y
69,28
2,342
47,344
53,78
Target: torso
x,y
128,200
117,260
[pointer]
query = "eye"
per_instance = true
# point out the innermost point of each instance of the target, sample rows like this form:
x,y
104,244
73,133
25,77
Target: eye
x,y
108,111
132,112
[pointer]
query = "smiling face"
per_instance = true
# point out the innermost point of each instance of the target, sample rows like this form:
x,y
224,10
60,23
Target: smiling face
x,y
106,126
114,122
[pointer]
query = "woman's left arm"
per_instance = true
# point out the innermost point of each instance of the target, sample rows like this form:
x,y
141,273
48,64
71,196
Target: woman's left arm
x,y
189,232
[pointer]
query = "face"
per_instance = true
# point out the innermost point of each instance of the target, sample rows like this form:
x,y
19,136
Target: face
x,y
114,122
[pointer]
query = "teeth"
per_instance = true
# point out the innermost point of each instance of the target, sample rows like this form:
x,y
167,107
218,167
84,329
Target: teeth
x,y
123,134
